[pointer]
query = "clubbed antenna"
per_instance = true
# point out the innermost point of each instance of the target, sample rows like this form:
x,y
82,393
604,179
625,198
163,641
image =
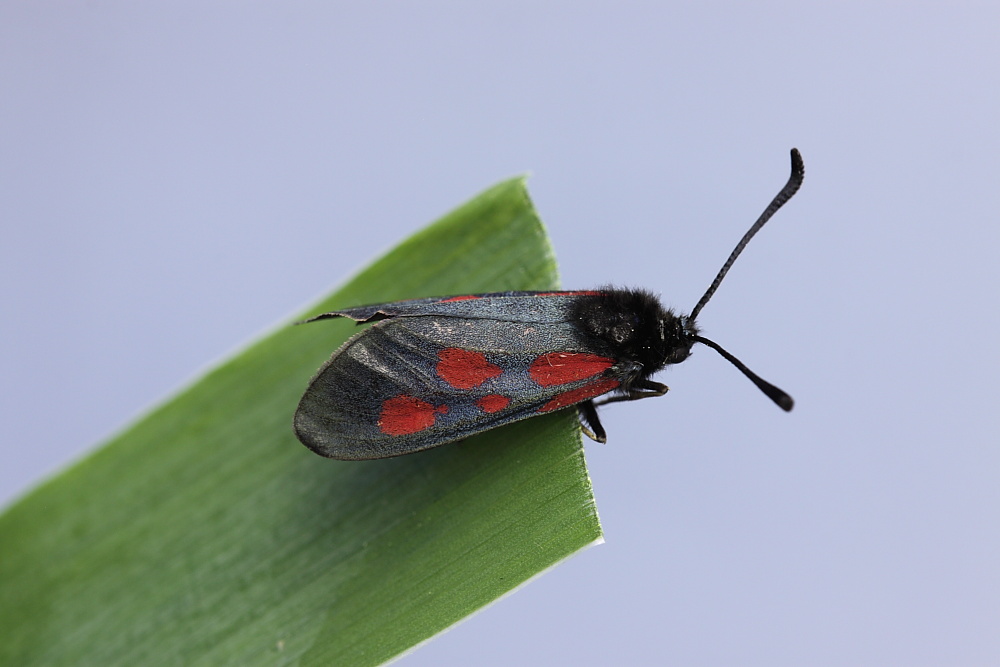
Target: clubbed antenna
x,y
791,187
783,400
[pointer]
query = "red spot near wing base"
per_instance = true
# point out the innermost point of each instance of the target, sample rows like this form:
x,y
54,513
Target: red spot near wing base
x,y
402,415
577,395
464,369
466,297
554,368
493,403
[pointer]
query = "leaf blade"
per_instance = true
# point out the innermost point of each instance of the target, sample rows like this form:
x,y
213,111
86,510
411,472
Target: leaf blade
x,y
205,534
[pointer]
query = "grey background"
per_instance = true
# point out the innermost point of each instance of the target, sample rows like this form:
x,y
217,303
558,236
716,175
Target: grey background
x,y
177,177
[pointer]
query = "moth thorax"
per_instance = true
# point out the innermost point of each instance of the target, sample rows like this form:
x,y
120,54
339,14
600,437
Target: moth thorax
x,y
634,326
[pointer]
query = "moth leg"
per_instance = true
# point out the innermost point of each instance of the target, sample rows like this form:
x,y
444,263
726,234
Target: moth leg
x,y
638,389
592,425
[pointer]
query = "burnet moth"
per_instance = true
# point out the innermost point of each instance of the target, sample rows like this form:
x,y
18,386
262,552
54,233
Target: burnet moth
x,y
432,371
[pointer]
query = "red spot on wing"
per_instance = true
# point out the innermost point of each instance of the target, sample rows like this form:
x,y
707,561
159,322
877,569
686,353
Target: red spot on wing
x,y
465,297
554,368
465,369
402,415
576,395
493,403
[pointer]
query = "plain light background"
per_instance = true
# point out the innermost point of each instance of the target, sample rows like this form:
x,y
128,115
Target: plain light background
x,y
177,177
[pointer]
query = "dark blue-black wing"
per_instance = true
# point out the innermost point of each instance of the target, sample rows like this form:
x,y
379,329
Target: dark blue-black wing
x,y
434,371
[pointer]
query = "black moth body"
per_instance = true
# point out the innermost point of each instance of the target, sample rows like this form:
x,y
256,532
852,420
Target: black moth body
x,y
432,371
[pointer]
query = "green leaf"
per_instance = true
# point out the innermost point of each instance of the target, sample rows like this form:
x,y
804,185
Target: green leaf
x,y
205,534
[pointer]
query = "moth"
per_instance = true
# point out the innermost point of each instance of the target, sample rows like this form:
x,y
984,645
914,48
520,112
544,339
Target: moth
x,y
435,370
